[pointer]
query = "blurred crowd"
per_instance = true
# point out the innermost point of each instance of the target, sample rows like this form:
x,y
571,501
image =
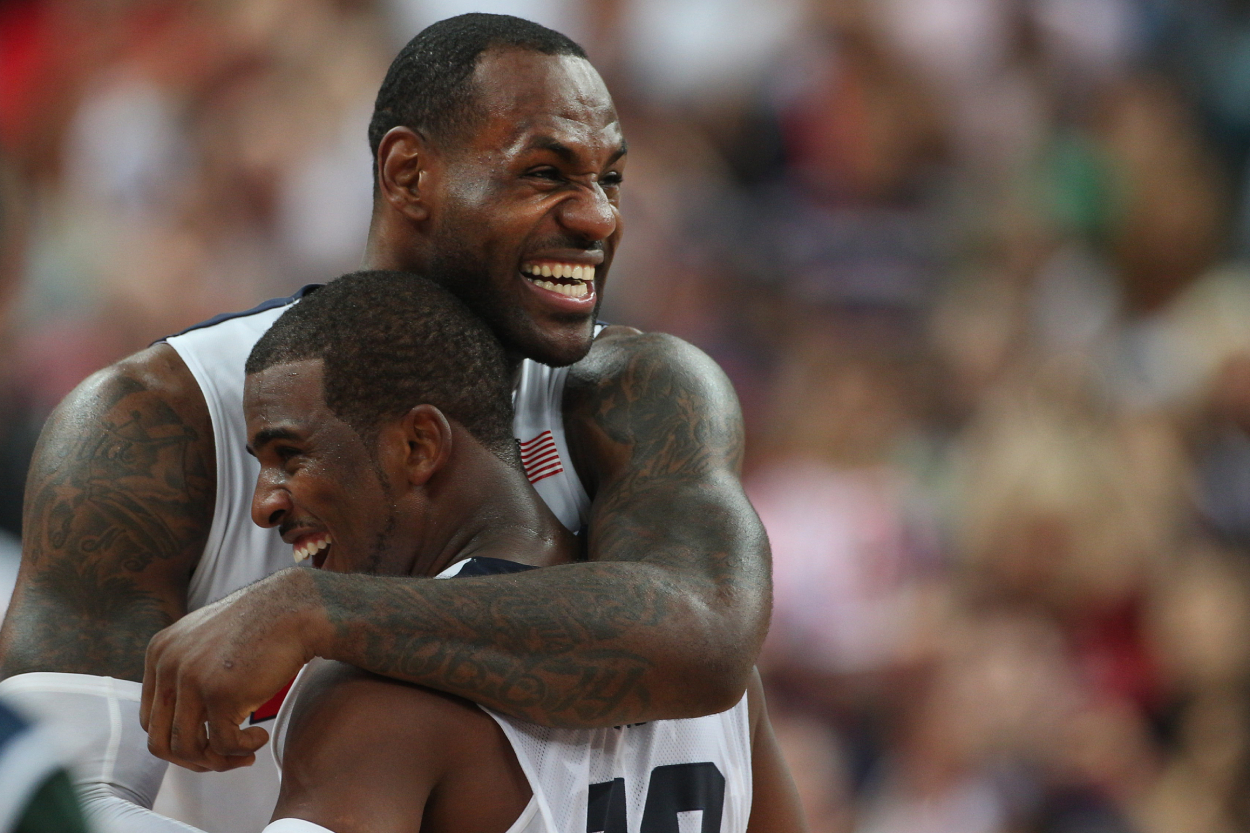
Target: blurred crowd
x,y
977,268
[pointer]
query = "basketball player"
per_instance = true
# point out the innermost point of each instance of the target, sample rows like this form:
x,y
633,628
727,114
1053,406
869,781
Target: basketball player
x,y
499,162
379,409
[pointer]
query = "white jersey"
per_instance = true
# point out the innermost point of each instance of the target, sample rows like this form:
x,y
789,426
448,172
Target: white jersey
x,y
238,552
675,775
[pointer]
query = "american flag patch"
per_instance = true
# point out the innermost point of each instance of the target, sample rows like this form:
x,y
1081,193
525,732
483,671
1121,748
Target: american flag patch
x,y
540,458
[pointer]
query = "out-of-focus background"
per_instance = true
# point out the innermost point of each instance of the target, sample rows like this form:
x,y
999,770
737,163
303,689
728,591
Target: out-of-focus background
x,y
976,267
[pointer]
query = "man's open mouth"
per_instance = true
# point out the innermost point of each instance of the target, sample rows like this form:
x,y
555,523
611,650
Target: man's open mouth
x,y
314,546
568,279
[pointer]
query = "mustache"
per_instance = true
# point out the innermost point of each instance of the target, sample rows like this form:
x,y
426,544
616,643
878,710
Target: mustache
x,y
287,527
569,241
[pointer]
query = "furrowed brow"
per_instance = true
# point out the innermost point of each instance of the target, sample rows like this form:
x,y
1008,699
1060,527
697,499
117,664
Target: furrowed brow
x,y
555,146
567,154
621,151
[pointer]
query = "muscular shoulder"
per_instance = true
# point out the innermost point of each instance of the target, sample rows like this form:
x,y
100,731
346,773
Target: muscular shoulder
x,y
619,351
367,753
650,397
119,501
153,380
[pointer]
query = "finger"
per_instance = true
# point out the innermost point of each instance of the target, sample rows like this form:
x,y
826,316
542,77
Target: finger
x,y
226,738
224,763
160,714
187,736
149,686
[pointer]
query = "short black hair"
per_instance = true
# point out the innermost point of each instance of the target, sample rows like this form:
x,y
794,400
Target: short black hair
x,y
393,340
428,86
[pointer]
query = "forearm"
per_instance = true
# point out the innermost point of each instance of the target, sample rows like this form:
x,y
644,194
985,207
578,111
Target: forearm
x,y
582,645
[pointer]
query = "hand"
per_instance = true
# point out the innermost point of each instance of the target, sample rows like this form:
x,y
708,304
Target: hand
x,y
207,672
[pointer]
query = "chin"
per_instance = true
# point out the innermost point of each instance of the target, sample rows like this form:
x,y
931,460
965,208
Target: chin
x,y
552,342
557,350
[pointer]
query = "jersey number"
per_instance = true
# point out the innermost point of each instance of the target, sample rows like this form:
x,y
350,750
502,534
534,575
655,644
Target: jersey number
x,y
673,789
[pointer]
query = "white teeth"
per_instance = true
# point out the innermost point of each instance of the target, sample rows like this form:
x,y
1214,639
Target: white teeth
x,y
584,275
305,550
561,270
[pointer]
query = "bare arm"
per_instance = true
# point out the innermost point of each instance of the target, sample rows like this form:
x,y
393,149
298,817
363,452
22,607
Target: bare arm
x,y
664,622
119,500
775,806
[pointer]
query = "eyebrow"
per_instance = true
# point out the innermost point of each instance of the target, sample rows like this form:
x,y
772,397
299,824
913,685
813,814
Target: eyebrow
x,y
267,435
567,154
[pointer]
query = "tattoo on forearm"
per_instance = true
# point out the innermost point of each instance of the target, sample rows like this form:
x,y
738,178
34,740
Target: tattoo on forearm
x,y
113,494
597,644
543,652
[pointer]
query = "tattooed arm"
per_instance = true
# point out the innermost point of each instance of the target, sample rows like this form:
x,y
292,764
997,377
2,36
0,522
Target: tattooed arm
x,y
664,622
118,505
119,500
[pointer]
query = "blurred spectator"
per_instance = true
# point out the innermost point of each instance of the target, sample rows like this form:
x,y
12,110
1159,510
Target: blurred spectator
x,y
971,264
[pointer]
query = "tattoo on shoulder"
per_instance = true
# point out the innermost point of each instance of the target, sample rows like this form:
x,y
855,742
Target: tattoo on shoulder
x,y
668,426
121,484
666,412
135,489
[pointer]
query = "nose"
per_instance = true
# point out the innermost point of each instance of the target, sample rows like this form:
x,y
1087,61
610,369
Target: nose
x,y
270,503
590,213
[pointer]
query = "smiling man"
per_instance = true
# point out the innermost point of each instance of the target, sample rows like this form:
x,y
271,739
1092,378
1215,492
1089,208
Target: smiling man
x,y
499,163
379,409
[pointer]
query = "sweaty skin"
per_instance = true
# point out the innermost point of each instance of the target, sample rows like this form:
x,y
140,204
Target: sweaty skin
x,y
664,621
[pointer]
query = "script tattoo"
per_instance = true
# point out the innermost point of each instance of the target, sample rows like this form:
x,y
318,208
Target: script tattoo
x,y
678,585
119,501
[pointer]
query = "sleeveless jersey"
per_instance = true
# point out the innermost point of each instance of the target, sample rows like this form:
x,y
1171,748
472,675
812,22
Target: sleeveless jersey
x,y
238,552
684,776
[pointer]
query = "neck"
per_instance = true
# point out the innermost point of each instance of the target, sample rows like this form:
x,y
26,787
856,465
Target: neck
x,y
505,519
380,256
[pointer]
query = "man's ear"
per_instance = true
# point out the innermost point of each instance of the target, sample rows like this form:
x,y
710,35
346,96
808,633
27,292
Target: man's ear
x,y
405,172
428,436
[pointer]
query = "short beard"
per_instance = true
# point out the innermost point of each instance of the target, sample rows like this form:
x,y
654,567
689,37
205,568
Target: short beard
x,y
509,326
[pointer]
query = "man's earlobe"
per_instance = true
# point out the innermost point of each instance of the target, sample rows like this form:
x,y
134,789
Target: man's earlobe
x,y
428,434
402,172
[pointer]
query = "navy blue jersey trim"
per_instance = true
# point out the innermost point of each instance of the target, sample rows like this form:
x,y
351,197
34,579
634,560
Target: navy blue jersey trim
x,y
11,725
272,303
483,566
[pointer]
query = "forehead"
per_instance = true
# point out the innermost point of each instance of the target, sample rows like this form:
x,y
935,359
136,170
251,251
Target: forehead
x,y
522,93
287,394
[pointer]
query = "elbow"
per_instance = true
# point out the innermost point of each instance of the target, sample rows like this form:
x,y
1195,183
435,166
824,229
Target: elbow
x,y
718,669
